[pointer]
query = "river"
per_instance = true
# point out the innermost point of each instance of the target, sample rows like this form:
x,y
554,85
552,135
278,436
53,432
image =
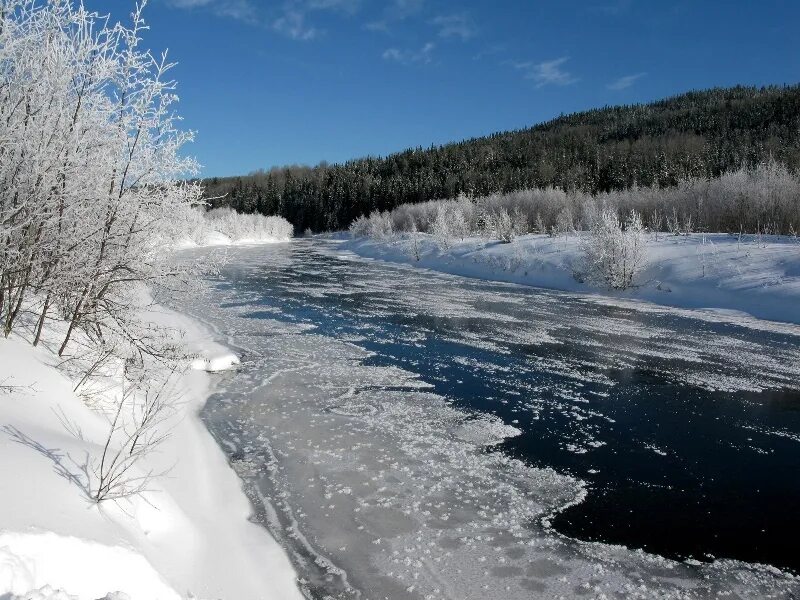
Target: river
x,y
409,434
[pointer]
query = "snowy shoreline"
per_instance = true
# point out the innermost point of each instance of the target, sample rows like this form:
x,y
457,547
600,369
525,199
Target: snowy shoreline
x,y
190,536
757,276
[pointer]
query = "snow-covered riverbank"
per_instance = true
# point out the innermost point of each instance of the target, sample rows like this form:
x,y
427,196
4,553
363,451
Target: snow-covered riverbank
x,y
759,276
187,536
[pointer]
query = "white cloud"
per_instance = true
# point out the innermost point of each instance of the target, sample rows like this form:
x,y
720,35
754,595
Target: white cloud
x,y
407,57
377,26
458,25
290,19
292,23
397,10
625,82
491,50
349,6
548,72
241,10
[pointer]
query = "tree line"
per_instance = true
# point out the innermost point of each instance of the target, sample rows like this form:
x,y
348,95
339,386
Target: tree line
x,y
764,199
700,134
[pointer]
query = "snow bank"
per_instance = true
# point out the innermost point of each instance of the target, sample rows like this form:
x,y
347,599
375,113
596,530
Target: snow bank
x,y
188,537
759,276
45,560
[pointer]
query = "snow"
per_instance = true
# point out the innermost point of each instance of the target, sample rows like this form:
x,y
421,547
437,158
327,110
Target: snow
x,y
215,363
759,276
188,537
485,430
29,561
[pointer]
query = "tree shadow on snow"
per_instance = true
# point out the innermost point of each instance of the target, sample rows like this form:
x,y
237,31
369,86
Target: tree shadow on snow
x,y
63,464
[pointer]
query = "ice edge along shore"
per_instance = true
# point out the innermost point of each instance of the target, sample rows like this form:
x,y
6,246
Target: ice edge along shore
x,y
190,536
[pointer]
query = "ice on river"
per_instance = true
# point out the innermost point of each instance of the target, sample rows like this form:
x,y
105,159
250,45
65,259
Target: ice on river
x,y
380,488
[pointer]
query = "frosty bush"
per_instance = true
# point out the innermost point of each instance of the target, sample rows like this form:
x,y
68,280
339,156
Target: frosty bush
x,y
377,225
613,254
565,221
239,227
441,228
504,225
359,228
764,198
452,222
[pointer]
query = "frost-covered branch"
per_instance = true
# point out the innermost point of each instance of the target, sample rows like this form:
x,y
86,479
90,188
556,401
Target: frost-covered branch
x,y
92,173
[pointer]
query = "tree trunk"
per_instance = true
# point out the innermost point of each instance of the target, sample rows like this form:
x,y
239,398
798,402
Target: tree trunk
x,y
74,321
40,322
13,312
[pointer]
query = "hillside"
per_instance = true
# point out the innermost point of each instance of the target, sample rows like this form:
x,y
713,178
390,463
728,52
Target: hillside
x,y
697,134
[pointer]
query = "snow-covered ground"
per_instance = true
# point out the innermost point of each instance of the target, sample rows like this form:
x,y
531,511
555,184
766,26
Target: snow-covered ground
x,y
189,537
756,275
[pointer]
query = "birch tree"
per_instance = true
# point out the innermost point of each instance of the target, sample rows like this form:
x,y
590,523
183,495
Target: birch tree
x,y
91,167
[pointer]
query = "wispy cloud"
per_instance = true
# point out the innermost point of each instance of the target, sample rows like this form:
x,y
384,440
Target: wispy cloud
x,y
625,81
396,11
242,10
291,19
292,23
491,50
407,57
454,26
377,26
549,72
349,6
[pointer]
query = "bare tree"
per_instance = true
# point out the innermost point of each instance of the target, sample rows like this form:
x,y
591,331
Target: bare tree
x,y
139,424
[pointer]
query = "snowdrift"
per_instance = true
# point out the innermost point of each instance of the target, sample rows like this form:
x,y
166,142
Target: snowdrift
x,y
187,536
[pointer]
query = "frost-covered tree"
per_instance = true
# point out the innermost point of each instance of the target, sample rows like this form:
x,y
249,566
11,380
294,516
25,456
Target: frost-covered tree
x,y
92,175
505,225
613,252
442,229
240,227
565,221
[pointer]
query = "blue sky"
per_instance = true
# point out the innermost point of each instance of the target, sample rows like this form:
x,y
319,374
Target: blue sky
x,y
300,81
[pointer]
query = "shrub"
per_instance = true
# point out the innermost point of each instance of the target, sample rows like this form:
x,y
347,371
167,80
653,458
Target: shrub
x,y
378,225
255,227
613,254
441,228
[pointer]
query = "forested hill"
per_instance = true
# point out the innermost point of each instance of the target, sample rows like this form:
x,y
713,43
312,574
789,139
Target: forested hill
x,y
695,134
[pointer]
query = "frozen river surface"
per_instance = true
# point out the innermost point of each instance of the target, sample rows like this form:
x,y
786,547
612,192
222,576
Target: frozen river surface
x,y
408,434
